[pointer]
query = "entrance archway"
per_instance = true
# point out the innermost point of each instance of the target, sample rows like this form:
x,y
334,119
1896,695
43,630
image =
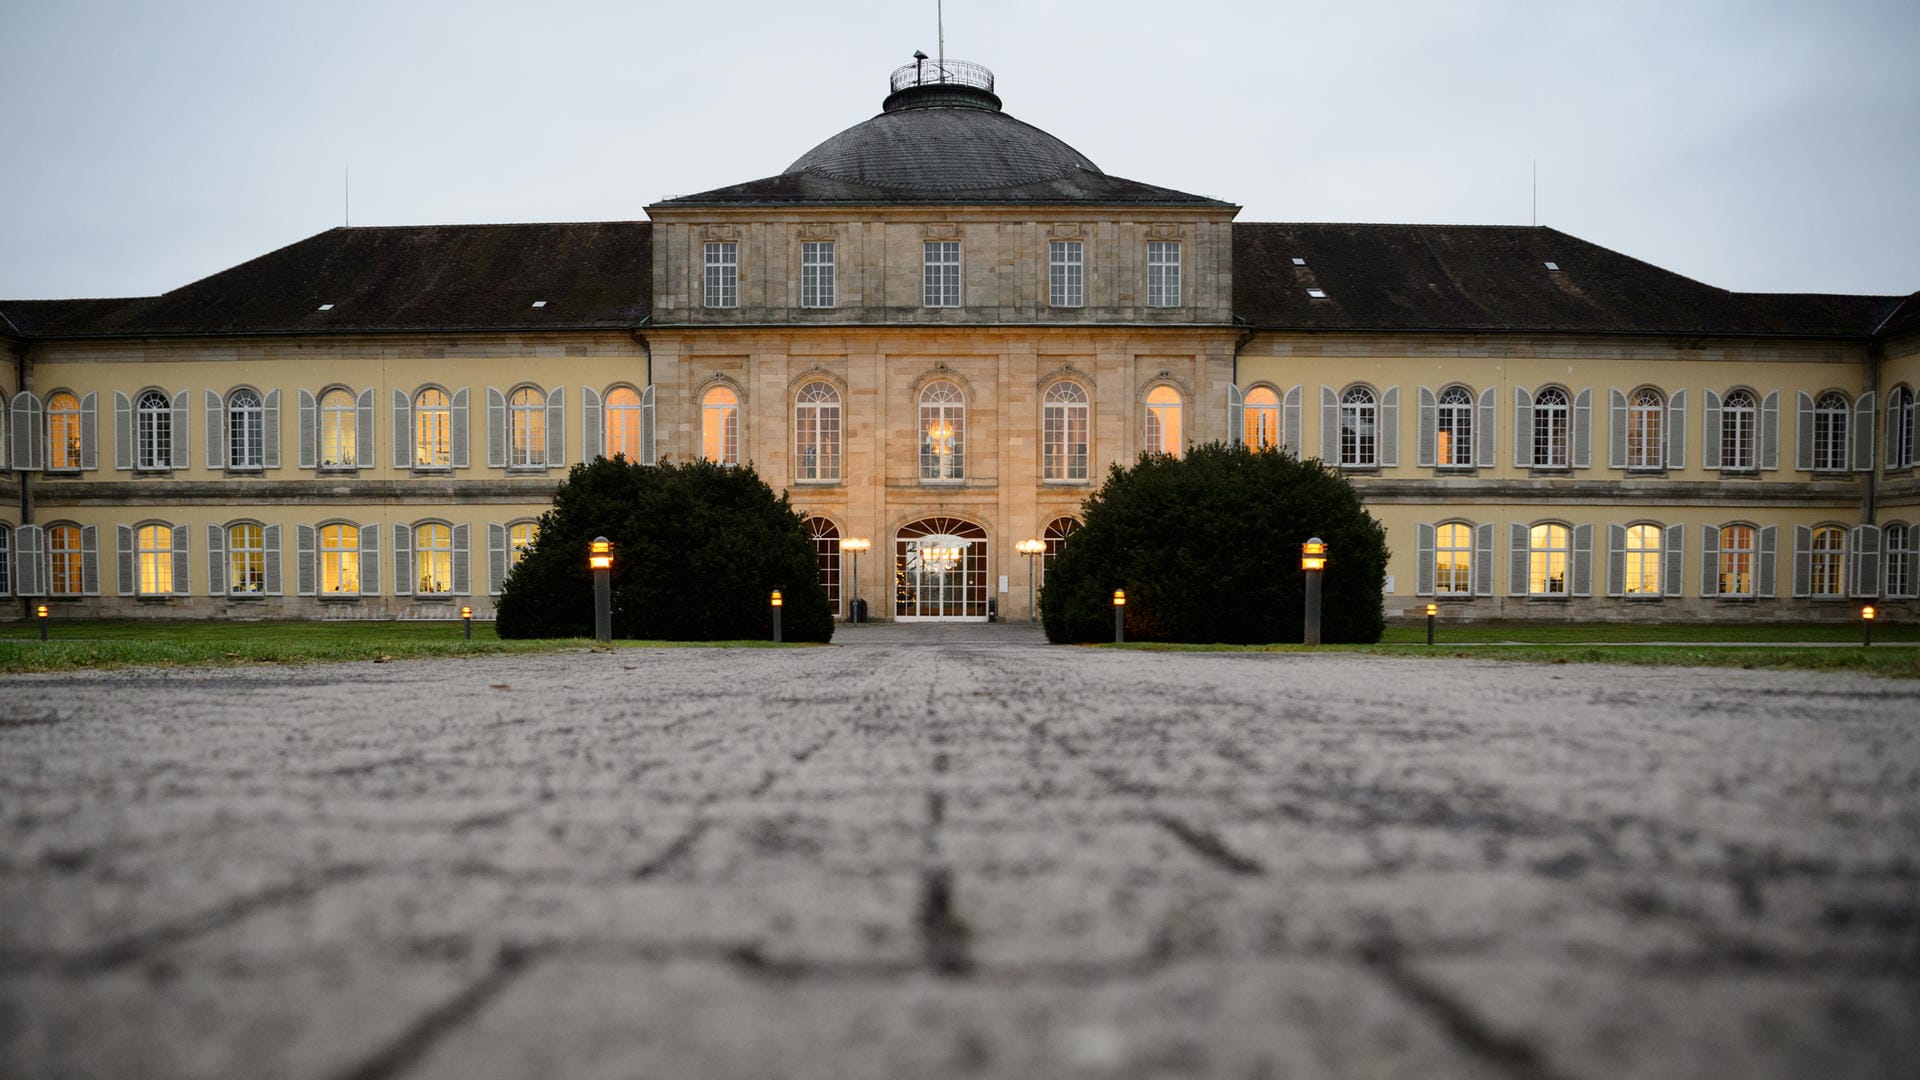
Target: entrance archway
x,y
940,571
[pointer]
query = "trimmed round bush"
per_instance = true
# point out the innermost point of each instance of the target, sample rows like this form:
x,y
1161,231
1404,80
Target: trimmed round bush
x,y
1207,547
697,551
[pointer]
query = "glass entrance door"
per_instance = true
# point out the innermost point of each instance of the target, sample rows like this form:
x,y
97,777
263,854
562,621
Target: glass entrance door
x,y
940,571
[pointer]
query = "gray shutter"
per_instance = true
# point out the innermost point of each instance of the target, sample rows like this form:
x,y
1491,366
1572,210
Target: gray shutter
x,y
1483,559
1483,431
122,432
177,422
1866,560
1582,560
29,544
1893,426
1522,428
402,560
370,557
1710,434
1677,430
1674,560
1913,564
182,565
496,558
1616,559
591,429
459,432
270,430
1390,428
124,537
1802,560
1581,456
305,572
1329,426
309,423
402,430
89,560
1616,432
1863,415
216,559
557,428
1517,552
1290,433
1769,544
462,571
1236,415
1709,560
216,435
496,429
363,446
270,542
29,416
1428,425
1803,442
1770,431
90,431
648,454
1423,568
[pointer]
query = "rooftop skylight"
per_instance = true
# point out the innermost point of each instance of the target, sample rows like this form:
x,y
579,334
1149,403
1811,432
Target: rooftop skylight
x,y
1317,294
326,307
1553,266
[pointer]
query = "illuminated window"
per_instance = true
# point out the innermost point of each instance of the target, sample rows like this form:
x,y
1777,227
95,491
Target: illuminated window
x,y
520,538
943,432
153,560
624,437
1738,415
1066,273
1830,432
1642,567
1261,419
1055,537
527,429
1736,560
339,560
1453,559
65,561
432,559
940,275
1163,274
826,551
1453,428
153,431
1547,551
816,432
337,430
720,426
1646,425
1163,422
1828,555
63,432
1550,432
816,274
246,430
432,429
1359,428
246,560
723,274
1063,432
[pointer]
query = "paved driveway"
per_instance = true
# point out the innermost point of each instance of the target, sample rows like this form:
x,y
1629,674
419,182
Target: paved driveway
x,y
938,852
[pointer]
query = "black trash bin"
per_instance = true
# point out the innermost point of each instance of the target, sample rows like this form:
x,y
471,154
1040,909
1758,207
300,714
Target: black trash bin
x,y
993,609
859,612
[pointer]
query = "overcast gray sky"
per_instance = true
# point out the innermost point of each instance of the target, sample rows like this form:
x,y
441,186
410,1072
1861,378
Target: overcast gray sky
x,y
1767,145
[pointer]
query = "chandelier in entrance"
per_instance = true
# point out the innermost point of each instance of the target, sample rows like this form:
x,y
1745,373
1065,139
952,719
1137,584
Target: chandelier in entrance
x,y
940,437
940,559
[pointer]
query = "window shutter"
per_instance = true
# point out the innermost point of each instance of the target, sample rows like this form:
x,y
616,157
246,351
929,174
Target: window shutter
x,y
402,430
370,558
402,560
1426,456
1803,443
459,428
1236,415
1583,560
1674,560
1710,434
647,452
1769,545
305,556
1709,560
1517,552
89,560
182,565
496,558
1483,431
1483,559
1329,425
270,554
309,433
177,421
26,448
124,536
1893,428
363,446
216,434
462,572
29,542
1423,569
216,559
1290,434
1617,558
1802,560
1581,455
496,429
1770,431
1390,428
122,432
1913,564
1522,429
1866,560
1616,432
590,425
1677,430
270,430
557,428
90,431
1863,414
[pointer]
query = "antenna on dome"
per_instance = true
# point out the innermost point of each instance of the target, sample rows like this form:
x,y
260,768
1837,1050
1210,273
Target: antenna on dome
x,y
940,17
346,196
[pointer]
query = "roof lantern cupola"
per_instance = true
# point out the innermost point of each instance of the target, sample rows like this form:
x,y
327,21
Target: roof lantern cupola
x,y
928,83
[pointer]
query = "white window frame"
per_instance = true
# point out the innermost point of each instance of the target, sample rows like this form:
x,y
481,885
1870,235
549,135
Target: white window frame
x,y
1898,542
1900,428
1646,430
1831,411
816,432
1066,274
1453,433
64,421
246,430
1065,432
153,432
1739,431
825,536
943,412
1739,562
1552,428
720,425
246,563
1453,562
1827,563
940,273
817,274
1544,555
1165,421
1359,428
722,274
432,430
622,426
527,428
339,427
1260,418
1643,560
1163,273
520,538
153,560
432,559
337,558
66,565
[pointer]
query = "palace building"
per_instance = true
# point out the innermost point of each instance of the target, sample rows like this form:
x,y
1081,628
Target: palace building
x,y
937,330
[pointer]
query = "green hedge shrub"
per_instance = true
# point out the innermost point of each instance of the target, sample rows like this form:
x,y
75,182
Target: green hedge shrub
x,y
1208,549
698,549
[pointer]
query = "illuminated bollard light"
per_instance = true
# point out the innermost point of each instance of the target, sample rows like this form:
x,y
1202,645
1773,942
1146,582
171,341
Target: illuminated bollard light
x,y
466,618
1866,625
600,560
1313,562
43,612
1432,610
1119,616
778,603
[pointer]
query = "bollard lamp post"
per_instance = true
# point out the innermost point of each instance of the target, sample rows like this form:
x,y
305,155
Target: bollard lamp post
x,y
466,618
1031,548
1866,625
854,545
778,602
1432,610
1119,616
600,560
42,611
1313,561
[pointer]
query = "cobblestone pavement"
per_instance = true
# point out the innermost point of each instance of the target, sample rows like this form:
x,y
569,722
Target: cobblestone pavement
x,y
928,852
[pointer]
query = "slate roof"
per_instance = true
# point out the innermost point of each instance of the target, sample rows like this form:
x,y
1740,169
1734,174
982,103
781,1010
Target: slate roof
x,y
594,275
1494,278
1906,320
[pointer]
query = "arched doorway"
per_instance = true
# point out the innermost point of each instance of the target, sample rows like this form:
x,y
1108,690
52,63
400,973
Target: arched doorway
x,y
940,571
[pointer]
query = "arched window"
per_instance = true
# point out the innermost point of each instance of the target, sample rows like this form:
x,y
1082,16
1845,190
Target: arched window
x,y
1736,560
1738,415
1550,434
153,560
520,538
1547,558
1163,421
1063,432
1359,427
432,429
1830,432
720,426
63,432
1055,537
65,560
1453,559
432,558
940,570
246,559
337,431
1453,428
153,431
1899,561
527,429
623,424
826,550
1646,424
1828,557
1261,419
943,432
816,432
1642,567
246,430
1900,435
339,560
